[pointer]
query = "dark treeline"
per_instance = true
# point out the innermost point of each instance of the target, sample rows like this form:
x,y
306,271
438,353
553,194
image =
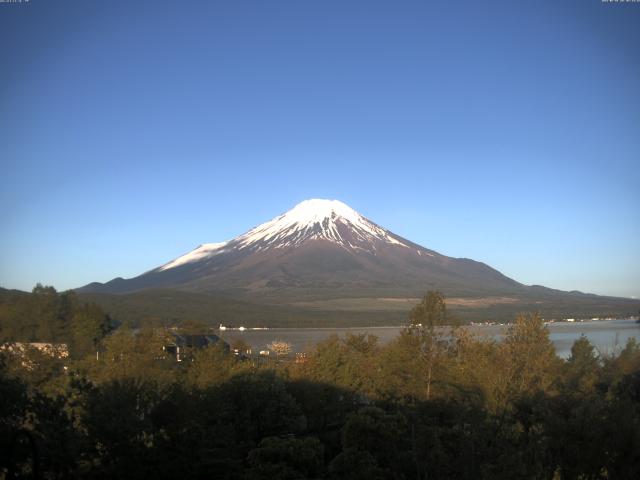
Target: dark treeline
x,y
48,316
433,404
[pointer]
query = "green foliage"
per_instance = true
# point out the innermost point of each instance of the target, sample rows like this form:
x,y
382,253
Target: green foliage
x,y
530,357
54,429
431,344
582,369
259,405
380,436
339,307
401,374
286,459
350,363
213,365
430,312
89,325
356,464
434,403
51,317
627,362
13,409
129,354
161,308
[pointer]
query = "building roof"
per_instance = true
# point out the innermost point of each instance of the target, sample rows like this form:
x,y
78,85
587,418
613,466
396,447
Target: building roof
x,y
196,341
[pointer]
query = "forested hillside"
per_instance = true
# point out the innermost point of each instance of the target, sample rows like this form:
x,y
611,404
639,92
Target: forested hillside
x,y
44,315
429,405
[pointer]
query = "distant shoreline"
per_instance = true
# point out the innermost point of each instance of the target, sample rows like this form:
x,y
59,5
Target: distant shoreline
x,y
382,327
606,335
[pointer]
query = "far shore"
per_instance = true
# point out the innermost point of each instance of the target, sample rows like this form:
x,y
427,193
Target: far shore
x,y
608,336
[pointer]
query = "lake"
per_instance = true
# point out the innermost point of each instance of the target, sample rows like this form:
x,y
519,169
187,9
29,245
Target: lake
x,y
608,336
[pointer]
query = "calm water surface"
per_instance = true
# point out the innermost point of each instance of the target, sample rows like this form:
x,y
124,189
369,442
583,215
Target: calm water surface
x,y
608,336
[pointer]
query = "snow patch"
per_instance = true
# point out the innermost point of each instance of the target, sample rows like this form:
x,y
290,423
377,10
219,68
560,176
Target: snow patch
x,y
315,219
203,251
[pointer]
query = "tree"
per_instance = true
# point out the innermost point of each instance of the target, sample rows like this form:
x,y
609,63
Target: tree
x,y
211,365
286,459
400,376
280,347
89,325
257,405
531,359
372,444
582,369
356,464
430,312
13,411
43,315
119,418
129,354
628,361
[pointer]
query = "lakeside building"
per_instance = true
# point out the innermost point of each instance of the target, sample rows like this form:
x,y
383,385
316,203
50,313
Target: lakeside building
x,y
182,346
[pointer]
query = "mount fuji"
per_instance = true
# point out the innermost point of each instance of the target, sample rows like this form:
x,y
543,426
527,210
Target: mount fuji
x,y
322,262
318,249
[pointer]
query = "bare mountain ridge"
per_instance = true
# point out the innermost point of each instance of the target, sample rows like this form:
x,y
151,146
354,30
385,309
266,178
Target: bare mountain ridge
x,y
319,249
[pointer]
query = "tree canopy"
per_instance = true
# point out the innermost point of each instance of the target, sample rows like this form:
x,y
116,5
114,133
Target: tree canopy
x,y
432,404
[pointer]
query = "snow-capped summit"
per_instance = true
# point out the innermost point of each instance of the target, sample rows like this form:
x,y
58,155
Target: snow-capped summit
x,y
319,255
319,248
314,219
317,219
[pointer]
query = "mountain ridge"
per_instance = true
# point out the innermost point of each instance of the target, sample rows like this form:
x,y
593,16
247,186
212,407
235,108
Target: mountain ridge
x,y
323,250
318,245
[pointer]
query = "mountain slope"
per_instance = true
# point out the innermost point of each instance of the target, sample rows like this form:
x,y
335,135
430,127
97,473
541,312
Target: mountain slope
x,y
319,249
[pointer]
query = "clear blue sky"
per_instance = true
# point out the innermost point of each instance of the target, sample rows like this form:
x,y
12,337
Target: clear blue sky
x,y
503,131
